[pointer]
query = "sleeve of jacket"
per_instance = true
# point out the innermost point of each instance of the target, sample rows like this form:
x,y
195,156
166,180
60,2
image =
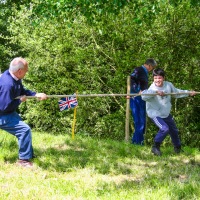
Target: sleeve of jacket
x,y
27,92
147,95
134,81
176,90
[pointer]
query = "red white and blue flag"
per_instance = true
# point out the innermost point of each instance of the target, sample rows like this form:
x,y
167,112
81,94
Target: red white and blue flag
x,y
67,102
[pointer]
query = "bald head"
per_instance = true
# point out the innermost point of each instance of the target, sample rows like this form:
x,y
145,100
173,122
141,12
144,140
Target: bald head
x,y
18,67
18,63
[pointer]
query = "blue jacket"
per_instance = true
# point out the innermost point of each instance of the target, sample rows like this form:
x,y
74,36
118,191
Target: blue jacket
x,y
9,90
139,79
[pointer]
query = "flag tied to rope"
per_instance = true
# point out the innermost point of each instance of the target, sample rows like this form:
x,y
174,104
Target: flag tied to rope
x,y
67,102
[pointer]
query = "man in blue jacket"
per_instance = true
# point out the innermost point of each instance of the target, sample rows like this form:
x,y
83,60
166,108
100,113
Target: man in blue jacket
x,y
139,82
10,121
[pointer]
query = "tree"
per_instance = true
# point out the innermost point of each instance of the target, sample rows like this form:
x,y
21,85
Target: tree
x,y
69,51
8,50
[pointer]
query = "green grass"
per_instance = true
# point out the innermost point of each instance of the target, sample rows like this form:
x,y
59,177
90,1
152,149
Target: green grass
x,y
87,168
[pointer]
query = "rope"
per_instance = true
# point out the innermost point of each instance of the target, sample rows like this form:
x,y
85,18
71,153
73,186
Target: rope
x,y
104,95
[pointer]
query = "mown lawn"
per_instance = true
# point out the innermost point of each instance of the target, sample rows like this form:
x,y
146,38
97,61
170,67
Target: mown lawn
x,y
88,168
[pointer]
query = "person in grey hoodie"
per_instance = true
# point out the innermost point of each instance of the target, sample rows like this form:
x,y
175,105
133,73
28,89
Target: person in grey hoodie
x,y
158,107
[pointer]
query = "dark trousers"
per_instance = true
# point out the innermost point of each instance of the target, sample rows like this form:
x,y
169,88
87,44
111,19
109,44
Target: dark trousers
x,y
138,108
166,126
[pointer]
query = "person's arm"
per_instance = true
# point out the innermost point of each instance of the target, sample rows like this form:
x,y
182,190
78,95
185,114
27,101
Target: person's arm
x,y
147,97
176,90
135,87
26,92
40,96
192,93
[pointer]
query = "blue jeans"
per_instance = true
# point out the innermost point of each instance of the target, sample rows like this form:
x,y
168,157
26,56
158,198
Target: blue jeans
x,y
13,124
166,126
138,108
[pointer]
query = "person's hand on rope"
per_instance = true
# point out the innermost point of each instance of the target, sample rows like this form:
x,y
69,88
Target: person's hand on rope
x,y
23,98
41,96
161,93
136,94
192,93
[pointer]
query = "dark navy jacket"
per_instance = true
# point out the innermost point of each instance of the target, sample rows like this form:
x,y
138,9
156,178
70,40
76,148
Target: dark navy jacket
x,y
9,90
139,80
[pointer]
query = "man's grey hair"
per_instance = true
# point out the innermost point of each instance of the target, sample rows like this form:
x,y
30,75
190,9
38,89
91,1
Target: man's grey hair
x,y
151,61
16,64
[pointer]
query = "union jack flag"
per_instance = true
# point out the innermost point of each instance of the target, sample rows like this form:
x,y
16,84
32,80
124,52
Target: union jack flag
x,y
67,103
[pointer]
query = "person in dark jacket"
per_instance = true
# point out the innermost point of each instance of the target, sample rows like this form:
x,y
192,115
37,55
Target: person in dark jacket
x,y
139,82
10,121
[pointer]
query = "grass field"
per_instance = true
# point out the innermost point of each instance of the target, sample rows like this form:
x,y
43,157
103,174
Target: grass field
x,y
87,168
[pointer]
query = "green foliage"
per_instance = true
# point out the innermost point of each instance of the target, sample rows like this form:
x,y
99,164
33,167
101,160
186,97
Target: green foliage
x,y
8,50
4,47
92,46
89,8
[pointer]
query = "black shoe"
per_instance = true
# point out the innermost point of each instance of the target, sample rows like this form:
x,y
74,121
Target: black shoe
x,y
178,149
156,151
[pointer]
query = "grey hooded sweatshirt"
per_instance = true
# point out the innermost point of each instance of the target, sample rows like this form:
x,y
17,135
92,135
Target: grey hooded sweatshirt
x,y
160,106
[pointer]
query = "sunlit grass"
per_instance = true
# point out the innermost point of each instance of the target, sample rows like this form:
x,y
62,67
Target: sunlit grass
x,y
87,168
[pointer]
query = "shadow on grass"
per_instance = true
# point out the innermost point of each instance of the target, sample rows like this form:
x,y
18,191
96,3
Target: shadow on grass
x,y
133,166
102,156
106,156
